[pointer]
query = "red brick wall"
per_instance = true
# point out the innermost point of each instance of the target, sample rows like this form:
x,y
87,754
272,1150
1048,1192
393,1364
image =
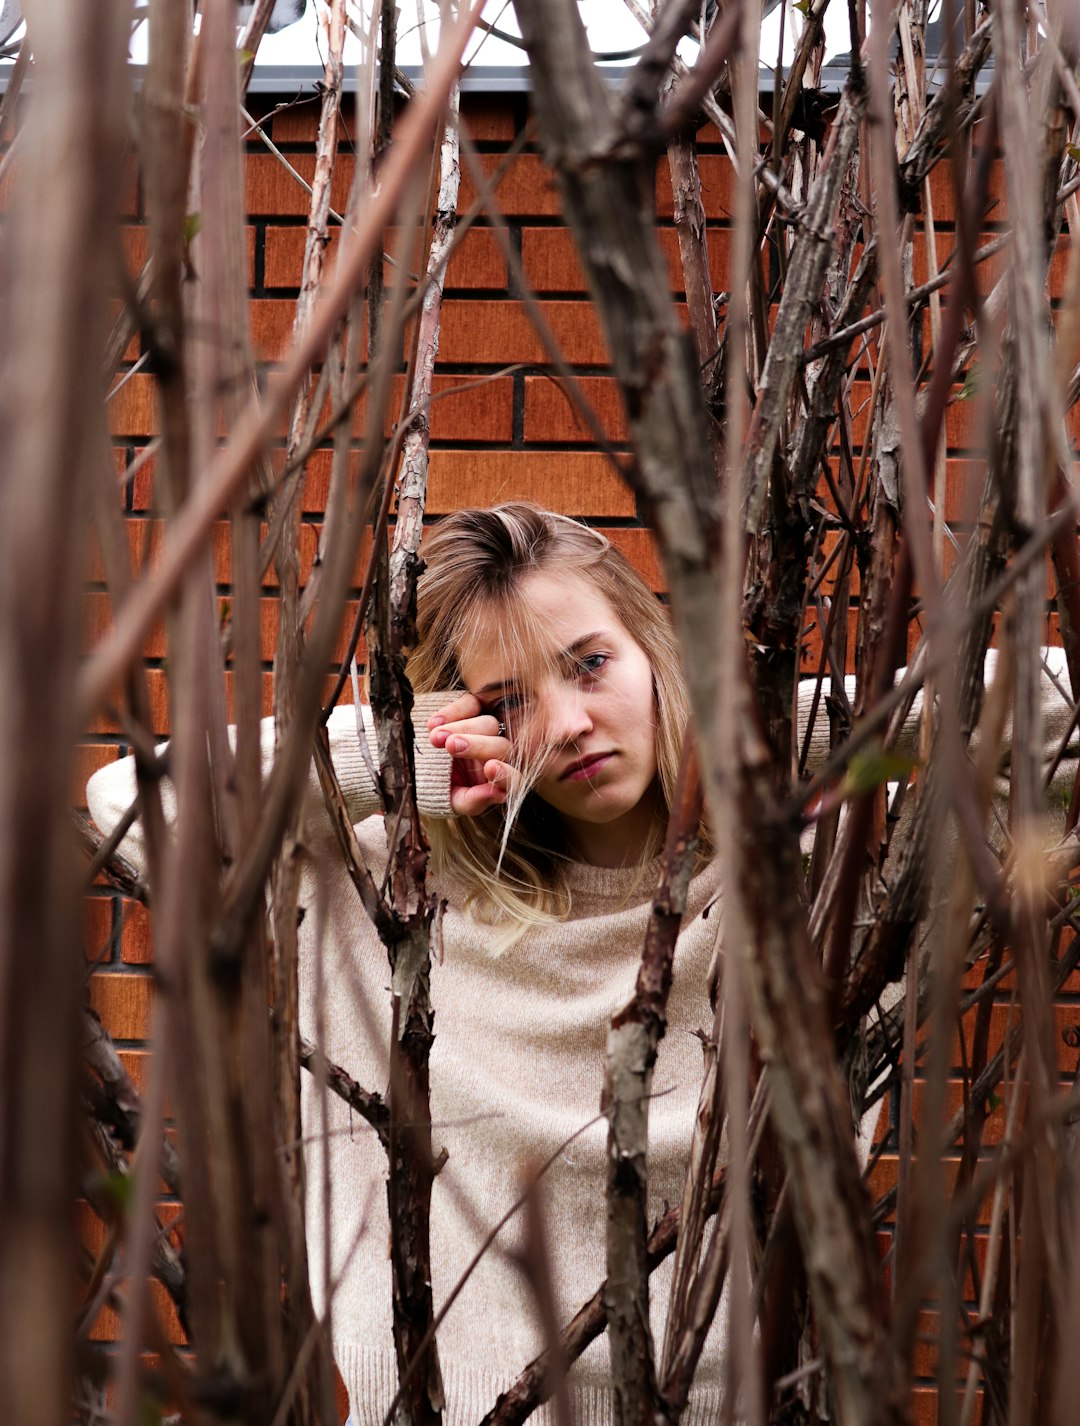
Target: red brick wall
x,y
516,437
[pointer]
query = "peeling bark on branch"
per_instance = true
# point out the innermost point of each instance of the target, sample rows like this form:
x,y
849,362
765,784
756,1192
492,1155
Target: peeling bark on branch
x,y
605,203
535,1384
802,290
635,1034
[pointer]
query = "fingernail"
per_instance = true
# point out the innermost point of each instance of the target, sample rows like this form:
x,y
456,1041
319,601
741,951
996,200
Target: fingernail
x,y
438,737
457,745
436,720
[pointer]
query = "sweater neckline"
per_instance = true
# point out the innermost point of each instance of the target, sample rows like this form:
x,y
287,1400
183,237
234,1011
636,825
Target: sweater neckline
x,y
632,884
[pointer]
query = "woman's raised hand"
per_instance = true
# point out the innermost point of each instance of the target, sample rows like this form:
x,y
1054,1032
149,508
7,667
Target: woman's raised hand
x,y
480,775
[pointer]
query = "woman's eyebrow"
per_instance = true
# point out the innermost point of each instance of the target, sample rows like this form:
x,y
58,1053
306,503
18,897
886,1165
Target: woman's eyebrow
x,y
572,654
566,656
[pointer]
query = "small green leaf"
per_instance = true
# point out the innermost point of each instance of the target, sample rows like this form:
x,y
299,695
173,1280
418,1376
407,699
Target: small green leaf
x,y
873,766
118,1189
972,383
803,7
192,224
150,1413
245,56
994,1101
1073,151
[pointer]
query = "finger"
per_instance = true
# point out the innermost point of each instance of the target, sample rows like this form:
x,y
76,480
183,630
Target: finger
x,y
486,725
471,801
501,774
465,705
478,747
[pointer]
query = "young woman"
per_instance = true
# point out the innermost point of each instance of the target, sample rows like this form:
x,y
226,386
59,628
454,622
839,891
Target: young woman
x,y
559,752
545,772
549,720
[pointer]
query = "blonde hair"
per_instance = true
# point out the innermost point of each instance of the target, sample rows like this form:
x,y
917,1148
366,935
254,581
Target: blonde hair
x,y
510,859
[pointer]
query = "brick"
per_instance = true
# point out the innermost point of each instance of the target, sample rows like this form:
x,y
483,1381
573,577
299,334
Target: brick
x,y
133,410
267,695
272,191
98,621
142,487
89,757
993,1128
145,539
271,322
942,197
113,310
550,261
551,416
107,1326
283,255
134,240
640,549
576,483
136,935
572,483
1066,1018
719,243
987,272
296,123
489,118
105,720
477,261
526,189
811,643
137,1064
964,481
471,409
1059,265
965,419
463,408
97,912
91,1233
269,617
926,1410
500,333
1072,423
828,584
717,187
133,244
126,188
123,1003
129,187
157,686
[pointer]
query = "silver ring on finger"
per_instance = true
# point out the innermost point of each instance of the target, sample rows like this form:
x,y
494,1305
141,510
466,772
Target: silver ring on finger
x,y
502,730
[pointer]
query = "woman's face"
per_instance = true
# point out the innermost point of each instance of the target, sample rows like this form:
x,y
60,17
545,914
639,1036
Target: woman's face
x,y
589,709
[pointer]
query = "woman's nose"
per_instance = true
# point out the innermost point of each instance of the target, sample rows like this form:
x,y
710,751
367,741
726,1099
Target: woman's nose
x,y
568,716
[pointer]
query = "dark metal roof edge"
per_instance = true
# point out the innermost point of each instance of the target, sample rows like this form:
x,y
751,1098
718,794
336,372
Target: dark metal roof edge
x,y
287,79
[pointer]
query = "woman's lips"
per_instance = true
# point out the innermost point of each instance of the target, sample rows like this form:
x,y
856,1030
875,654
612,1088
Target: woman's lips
x,y
586,768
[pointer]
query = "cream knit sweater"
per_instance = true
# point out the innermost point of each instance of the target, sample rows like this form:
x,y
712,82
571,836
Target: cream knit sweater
x,y
516,1071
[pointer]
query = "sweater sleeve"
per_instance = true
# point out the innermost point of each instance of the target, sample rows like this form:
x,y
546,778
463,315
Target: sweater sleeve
x,y
1056,711
112,789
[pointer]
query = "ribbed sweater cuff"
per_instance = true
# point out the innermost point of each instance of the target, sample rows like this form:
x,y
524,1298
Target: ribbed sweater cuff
x,y
470,1392
432,764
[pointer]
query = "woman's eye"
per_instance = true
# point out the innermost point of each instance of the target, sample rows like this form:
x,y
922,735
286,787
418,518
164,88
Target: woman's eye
x,y
592,663
506,707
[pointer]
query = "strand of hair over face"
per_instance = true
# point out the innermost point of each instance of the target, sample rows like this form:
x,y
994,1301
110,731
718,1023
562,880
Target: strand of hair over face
x,y
510,860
